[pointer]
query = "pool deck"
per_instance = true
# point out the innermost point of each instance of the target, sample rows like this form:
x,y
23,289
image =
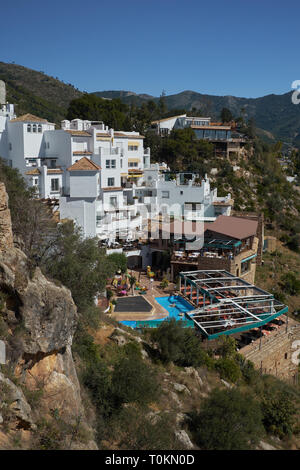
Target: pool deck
x,y
158,311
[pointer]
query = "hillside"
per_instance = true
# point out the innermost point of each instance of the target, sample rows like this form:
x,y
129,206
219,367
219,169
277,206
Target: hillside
x,y
275,114
37,93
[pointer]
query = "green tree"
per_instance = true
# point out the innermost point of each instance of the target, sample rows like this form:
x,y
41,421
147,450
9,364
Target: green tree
x,y
119,260
228,369
228,420
278,413
179,345
113,113
226,115
79,264
32,220
133,381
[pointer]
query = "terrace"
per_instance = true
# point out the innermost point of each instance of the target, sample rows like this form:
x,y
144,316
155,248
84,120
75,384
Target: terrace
x,y
212,248
226,304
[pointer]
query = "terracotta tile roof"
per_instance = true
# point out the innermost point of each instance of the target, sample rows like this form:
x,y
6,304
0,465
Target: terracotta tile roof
x,y
128,136
54,171
84,164
76,133
29,118
112,188
82,152
235,227
36,171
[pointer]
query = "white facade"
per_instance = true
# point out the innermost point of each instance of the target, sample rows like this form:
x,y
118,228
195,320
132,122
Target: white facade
x,y
101,178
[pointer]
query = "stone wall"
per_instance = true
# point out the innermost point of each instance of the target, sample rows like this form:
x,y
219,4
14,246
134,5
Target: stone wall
x,y
277,354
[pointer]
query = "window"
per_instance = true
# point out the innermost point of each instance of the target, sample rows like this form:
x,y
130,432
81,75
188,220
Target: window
x,y
35,181
28,127
39,128
48,145
10,146
165,194
245,266
110,181
52,163
113,201
121,163
181,193
132,164
33,127
110,164
133,148
54,184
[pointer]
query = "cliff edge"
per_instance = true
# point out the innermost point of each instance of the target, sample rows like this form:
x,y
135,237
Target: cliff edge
x,y
39,388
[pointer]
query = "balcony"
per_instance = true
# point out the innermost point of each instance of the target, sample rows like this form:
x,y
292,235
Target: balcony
x,y
104,152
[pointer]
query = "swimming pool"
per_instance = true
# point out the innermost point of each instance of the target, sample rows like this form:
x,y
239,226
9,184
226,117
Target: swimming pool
x,y
174,304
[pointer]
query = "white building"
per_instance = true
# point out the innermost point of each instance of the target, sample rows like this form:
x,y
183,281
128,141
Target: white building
x,y
101,178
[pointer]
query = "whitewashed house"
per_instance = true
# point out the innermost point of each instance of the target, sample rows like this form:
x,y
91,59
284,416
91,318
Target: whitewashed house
x,y
102,178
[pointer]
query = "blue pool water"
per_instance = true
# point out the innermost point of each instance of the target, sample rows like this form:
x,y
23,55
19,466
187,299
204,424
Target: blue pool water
x,y
180,305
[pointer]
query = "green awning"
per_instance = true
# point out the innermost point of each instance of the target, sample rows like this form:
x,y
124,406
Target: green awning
x,y
249,257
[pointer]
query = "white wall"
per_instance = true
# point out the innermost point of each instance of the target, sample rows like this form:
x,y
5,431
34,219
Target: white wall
x,y
83,212
84,184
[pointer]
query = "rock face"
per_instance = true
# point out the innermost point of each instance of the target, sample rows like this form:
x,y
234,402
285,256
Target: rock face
x,y
40,320
6,235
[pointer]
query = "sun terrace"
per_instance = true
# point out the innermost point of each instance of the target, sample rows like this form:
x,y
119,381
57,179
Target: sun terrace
x,y
226,304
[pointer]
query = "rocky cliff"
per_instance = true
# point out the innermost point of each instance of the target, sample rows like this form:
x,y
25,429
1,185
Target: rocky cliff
x,y
39,388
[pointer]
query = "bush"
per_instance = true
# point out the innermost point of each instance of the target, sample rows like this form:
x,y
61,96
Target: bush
x,y
119,260
278,414
133,429
133,381
97,378
228,420
226,346
291,283
278,404
179,345
164,283
228,369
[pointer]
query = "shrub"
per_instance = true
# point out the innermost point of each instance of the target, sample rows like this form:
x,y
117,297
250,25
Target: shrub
x,y
278,414
228,420
180,345
119,260
164,283
291,283
228,369
133,381
133,429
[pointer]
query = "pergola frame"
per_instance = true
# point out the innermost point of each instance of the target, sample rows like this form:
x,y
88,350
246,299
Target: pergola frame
x,y
234,305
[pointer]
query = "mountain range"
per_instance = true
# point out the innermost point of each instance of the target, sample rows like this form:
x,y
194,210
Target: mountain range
x,y
275,116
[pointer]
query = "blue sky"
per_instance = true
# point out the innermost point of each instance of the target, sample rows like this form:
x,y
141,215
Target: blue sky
x,y
242,48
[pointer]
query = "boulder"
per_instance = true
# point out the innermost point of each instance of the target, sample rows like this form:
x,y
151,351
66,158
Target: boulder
x,y
183,437
18,404
181,388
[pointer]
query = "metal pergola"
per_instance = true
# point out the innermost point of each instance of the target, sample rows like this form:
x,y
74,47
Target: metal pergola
x,y
227,304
